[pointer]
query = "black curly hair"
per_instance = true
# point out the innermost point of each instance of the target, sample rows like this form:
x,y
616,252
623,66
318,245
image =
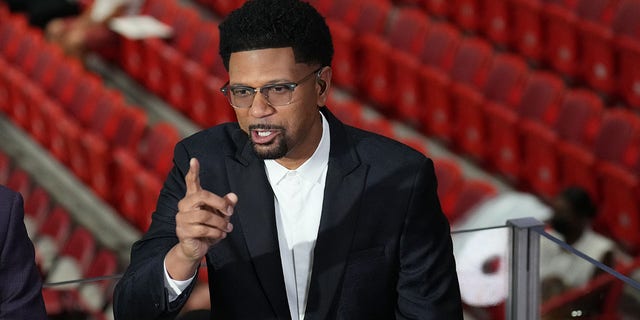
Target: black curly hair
x,y
263,24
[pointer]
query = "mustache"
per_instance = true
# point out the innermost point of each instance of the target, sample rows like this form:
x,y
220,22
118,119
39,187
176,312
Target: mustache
x,y
265,127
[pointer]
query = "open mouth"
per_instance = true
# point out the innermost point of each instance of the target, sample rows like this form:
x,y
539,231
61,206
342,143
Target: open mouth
x,y
264,136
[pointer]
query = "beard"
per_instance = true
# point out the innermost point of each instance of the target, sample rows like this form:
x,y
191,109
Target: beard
x,y
275,149
272,151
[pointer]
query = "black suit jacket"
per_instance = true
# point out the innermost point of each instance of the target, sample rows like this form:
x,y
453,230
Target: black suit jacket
x,y
383,249
20,282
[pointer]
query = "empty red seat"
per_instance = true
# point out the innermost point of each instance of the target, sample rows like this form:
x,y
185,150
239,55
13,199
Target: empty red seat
x,y
94,296
437,57
207,106
503,84
439,8
156,149
526,32
147,189
577,123
467,14
450,180
616,142
469,65
379,56
597,42
496,22
472,193
620,210
539,103
20,181
629,70
51,238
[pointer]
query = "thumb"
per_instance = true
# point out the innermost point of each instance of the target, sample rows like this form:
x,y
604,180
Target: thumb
x,y
232,199
192,179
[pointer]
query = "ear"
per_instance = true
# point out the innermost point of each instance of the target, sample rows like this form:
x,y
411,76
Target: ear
x,y
323,79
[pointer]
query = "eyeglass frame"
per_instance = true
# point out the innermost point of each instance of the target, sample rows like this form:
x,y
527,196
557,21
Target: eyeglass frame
x,y
291,86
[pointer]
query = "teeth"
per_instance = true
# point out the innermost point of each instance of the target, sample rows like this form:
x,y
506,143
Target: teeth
x,y
264,133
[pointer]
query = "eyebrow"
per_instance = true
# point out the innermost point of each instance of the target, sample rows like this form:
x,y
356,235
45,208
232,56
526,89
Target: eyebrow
x,y
275,81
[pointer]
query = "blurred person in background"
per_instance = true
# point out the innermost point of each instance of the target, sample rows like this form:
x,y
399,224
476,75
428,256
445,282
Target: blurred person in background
x,y
89,31
20,281
573,212
297,214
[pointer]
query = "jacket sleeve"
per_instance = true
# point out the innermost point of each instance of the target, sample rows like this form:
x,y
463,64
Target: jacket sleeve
x,y
141,294
21,284
428,284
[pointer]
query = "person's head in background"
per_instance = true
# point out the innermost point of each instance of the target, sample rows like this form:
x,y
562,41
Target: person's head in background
x,y
278,54
573,211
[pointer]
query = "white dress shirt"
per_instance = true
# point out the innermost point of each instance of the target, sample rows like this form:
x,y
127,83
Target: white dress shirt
x,y
298,198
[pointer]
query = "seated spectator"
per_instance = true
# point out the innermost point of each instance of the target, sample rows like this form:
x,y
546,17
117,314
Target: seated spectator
x,y
573,211
89,30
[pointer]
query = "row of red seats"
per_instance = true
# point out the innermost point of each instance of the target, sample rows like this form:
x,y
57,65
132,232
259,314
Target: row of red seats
x,y
590,41
184,70
84,125
64,250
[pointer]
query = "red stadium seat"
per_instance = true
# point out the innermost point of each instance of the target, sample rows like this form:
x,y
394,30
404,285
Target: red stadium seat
x,y
450,181
526,33
147,189
156,150
467,14
496,22
503,84
208,106
629,70
578,121
378,56
125,168
437,59
561,34
472,193
620,209
42,125
20,181
52,236
616,142
95,295
539,103
439,8
597,43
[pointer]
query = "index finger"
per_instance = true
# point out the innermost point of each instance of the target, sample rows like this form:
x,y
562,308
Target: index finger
x,y
192,179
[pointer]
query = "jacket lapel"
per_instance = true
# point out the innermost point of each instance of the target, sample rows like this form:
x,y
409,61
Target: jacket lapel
x,y
344,184
256,213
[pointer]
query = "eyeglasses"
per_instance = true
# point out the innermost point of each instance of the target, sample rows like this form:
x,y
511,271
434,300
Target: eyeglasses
x,y
276,95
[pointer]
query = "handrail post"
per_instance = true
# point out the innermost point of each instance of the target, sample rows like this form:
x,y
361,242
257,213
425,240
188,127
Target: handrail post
x,y
524,278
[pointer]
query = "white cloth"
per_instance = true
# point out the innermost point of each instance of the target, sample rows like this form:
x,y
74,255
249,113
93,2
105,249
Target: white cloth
x,y
101,10
555,261
475,250
298,197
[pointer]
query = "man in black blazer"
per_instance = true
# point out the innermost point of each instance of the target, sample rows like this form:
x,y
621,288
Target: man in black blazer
x,y
20,282
360,235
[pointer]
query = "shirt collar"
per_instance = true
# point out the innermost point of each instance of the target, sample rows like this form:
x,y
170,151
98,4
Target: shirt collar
x,y
311,170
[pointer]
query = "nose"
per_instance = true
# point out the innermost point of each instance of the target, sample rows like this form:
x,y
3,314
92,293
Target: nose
x,y
260,108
